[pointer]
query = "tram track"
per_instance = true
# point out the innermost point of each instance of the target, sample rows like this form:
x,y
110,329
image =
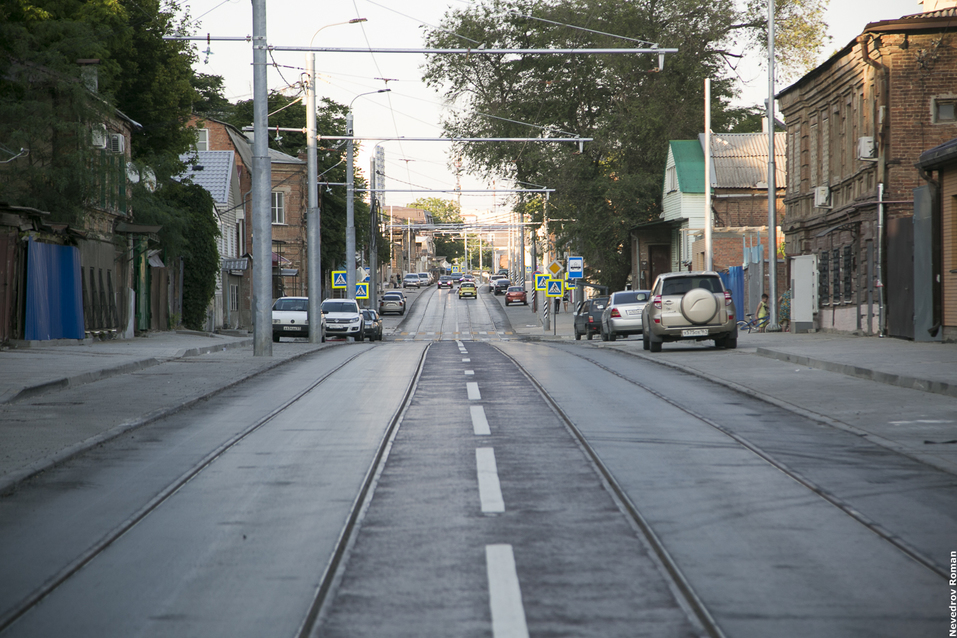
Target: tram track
x,y
684,592
842,505
54,582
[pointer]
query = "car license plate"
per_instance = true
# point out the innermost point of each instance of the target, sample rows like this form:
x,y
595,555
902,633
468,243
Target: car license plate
x,y
697,332
290,328
633,311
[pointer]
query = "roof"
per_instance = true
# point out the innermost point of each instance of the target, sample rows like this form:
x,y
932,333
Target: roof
x,y
940,20
946,153
213,170
689,164
244,148
740,160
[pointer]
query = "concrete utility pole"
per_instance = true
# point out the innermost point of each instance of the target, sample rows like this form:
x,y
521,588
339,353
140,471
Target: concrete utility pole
x,y
261,192
772,188
708,250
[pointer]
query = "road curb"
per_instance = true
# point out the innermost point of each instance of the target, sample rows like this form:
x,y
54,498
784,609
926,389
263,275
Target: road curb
x,y
901,381
28,392
11,482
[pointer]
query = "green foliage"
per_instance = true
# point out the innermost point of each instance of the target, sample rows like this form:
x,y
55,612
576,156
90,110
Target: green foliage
x,y
190,208
209,100
623,102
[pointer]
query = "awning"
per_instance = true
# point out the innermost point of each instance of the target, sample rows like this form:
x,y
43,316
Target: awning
x,y
240,263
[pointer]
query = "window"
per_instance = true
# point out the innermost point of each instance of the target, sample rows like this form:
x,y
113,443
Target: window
x,y
202,139
823,279
233,297
278,208
671,179
944,111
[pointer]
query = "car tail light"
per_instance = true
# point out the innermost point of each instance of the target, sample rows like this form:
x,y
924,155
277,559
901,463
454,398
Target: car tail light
x,y
657,301
727,297
615,313
591,320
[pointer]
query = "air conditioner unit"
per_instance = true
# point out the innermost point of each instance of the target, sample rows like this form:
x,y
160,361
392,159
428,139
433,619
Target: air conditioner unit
x,y
822,197
866,149
117,143
98,137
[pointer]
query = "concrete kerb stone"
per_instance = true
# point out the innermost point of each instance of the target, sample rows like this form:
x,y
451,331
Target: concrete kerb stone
x,y
9,484
932,461
901,381
28,392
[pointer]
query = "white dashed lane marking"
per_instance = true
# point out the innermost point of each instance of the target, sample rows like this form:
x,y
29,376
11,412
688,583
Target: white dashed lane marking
x,y
505,594
473,390
490,490
479,421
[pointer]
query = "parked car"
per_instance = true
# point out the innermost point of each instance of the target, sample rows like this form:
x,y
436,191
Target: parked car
x,y
425,279
371,325
290,318
622,316
500,286
516,294
411,280
392,301
446,281
588,317
467,289
343,318
689,305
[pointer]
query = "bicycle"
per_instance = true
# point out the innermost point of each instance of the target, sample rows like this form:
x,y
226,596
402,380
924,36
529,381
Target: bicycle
x,y
753,324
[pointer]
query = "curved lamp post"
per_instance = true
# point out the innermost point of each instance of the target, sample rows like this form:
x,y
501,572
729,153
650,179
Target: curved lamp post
x,y
313,236
350,204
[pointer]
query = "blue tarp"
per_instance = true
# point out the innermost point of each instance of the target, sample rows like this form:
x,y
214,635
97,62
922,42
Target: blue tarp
x,y
54,293
734,281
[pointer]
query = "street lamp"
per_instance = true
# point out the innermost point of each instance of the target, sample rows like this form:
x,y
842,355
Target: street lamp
x,y
350,204
313,235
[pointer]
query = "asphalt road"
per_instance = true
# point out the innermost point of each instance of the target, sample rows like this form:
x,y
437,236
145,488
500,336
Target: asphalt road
x,y
453,480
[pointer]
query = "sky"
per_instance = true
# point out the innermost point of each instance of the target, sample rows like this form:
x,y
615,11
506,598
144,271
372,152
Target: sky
x,y
410,108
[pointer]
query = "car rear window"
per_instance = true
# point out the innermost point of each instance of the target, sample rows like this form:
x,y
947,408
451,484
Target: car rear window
x,y
681,285
289,305
516,289
391,296
339,306
634,296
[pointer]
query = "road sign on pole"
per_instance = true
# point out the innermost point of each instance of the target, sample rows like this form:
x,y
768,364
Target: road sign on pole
x,y
555,267
554,288
540,281
576,267
339,279
362,290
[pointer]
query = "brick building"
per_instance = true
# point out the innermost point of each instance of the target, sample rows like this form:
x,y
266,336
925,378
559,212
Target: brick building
x,y
288,209
856,125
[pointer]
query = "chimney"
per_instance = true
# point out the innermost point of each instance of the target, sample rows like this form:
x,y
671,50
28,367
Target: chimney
x,y
89,74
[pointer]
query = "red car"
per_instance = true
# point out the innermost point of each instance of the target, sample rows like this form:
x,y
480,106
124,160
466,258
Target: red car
x,y
516,294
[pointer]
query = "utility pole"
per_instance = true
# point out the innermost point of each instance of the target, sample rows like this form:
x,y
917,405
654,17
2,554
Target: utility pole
x,y
261,192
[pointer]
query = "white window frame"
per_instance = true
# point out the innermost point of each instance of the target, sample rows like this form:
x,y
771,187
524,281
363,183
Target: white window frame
x,y
671,178
278,208
202,139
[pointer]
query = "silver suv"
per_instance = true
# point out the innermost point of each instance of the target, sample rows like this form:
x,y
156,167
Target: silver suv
x,y
689,305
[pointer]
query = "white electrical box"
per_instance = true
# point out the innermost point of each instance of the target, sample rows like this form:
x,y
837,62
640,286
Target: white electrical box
x,y
822,197
866,149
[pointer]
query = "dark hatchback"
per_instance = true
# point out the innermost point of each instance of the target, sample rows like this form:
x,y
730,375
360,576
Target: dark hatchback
x,y
588,317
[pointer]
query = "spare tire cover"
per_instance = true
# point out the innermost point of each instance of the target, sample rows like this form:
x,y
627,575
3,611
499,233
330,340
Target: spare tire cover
x,y
699,306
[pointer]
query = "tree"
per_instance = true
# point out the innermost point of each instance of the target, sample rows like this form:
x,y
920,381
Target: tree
x,y
623,102
190,208
444,211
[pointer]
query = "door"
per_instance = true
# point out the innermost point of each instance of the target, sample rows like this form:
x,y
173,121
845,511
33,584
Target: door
x,y
659,258
803,292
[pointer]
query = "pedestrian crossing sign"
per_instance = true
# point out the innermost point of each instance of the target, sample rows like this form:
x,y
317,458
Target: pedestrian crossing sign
x,y
362,291
555,288
339,279
540,280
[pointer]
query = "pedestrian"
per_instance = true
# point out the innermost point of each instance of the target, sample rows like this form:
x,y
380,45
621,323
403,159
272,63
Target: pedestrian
x,y
394,280
763,312
784,303
565,300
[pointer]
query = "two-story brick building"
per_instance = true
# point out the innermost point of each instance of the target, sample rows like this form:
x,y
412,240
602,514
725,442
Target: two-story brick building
x,y
288,211
856,125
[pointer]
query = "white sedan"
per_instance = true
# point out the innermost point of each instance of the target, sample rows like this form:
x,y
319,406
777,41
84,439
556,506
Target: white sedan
x,y
290,318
